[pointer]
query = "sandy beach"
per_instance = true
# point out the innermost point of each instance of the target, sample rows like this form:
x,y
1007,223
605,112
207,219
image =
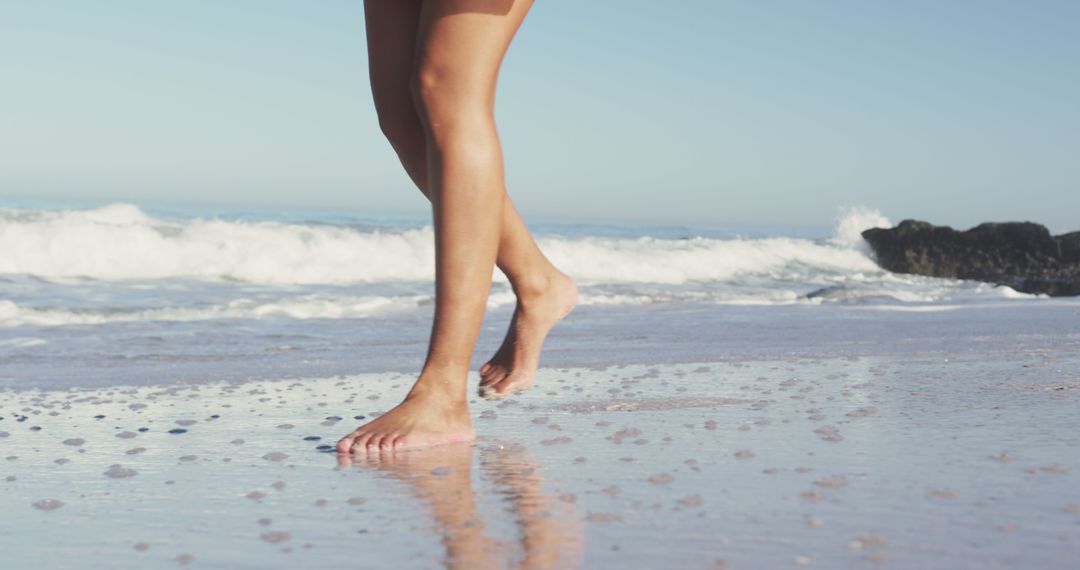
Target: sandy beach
x,y
864,461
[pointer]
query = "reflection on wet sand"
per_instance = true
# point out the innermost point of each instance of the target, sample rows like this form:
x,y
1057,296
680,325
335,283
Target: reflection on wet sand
x,y
551,532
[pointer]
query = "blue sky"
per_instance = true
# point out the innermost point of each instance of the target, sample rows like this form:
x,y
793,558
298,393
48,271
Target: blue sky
x,y
699,111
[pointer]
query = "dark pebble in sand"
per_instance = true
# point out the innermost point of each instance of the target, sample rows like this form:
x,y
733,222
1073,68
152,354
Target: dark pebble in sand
x,y
144,429
358,417
99,417
275,537
186,422
35,428
275,456
334,418
118,472
178,430
661,479
74,441
325,448
312,438
188,458
48,504
126,435
215,416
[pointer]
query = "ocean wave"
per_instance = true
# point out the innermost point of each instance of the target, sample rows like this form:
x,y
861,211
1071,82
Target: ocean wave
x,y
316,306
333,306
920,294
120,241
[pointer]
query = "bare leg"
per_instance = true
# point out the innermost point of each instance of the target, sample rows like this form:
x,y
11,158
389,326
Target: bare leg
x,y
459,50
545,295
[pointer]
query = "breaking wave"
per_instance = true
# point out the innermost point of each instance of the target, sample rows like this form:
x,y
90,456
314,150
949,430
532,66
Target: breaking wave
x,y
120,241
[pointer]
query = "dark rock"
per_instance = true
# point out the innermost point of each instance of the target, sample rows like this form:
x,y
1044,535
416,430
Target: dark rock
x,y
1022,255
178,430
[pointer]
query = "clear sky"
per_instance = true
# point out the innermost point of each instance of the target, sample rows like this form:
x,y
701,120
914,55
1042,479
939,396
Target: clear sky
x,y
753,112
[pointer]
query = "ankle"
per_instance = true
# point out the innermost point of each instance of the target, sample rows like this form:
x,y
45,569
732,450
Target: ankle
x,y
440,387
535,284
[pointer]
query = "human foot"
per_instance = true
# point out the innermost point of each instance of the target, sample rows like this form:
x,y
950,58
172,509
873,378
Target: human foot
x,y
423,419
513,368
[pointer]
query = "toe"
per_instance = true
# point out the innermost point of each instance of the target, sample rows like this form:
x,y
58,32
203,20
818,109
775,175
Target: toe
x,y
345,444
360,443
511,384
374,442
485,368
400,442
497,375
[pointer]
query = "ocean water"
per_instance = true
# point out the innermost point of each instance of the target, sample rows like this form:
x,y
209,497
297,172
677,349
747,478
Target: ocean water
x,y
129,294
170,382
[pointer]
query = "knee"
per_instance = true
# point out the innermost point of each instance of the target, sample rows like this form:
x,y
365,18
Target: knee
x,y
401,127
444,103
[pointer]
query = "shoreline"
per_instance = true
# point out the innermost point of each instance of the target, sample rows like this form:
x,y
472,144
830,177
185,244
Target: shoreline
x,y
898,460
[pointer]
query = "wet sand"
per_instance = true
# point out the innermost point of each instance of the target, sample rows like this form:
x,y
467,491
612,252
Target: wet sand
x,y
903,461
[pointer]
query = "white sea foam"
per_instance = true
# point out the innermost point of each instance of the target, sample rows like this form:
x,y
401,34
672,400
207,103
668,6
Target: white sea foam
x,y
120,241
331,306
23,341
316,306
852,222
